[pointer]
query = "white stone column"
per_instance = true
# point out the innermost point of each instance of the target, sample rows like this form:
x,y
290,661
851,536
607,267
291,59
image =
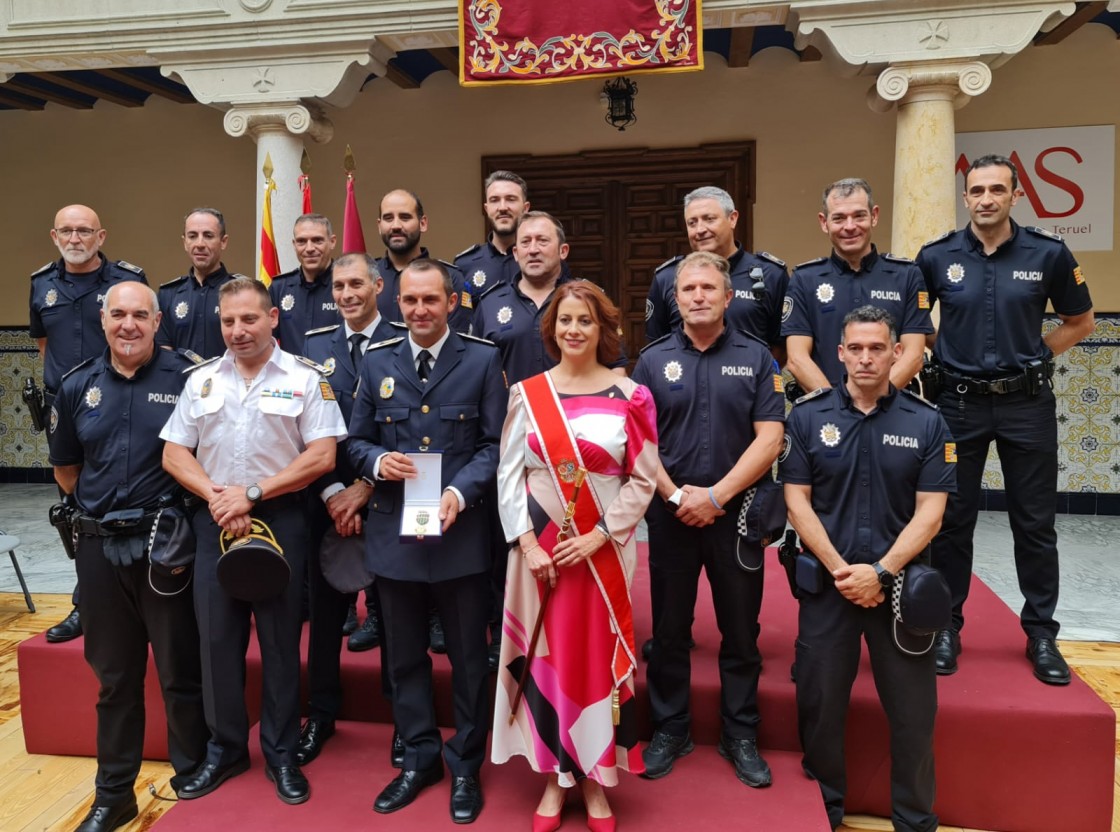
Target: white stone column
x,y
925,192
278,130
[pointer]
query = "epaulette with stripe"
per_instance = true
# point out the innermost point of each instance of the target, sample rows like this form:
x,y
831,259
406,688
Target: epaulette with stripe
x,y
808,397
816,261
653,342
314,365
77,367
173,281
669,262
476,338
919,398
124,264
468,250
190,355
205,363
45,268
765,255
322,329
1034,229
386,343
895,258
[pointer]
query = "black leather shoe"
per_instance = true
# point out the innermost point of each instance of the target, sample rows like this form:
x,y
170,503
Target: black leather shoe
x,y
312,738
466,799
750,768
209,777
946,648
68,628
365,637
405,787
662,750
396,751
291,785
1049,666
436,642
105,818
351,623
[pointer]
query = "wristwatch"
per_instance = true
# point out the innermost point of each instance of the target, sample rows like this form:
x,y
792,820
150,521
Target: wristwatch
x,y
886,578
675,498
254,494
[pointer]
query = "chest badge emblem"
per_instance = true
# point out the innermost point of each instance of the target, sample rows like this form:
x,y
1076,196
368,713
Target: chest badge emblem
x,y
207,386
505,315
52,297
329,365
830,435
181,309
955,273
673,372
387,385
479,279
93,397
825,293
287,303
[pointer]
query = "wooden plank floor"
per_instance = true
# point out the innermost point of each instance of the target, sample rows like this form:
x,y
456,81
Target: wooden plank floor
x,y
39,792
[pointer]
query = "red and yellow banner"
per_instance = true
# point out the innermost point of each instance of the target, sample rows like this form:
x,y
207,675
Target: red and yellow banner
x,y
529,41
269,260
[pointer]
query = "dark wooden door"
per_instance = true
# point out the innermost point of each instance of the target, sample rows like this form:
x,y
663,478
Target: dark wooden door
x,y
622,211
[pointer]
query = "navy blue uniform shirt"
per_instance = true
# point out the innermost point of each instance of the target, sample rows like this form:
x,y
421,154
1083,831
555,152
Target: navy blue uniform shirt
x,y
66,310
482,266
190,313
707,402
865,469
992,305
303,306
110,426
823,291
460,319
760,316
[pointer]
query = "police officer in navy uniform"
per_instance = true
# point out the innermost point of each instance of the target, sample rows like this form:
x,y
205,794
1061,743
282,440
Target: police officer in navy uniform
x,y
304,295
340,497
107,405
866,471
189,304
65,310
993,279
719,426
401,223
823,291
484,264
252,429
440,391
758,281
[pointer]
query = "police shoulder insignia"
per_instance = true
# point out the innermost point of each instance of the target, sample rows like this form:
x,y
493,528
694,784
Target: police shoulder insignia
x,y
478,340
895,258
814,262
322,329
77,367
779,383
910,394
808,397
943,237
386,343
465,300
327,391
191,356
491,288
468,250
655,341
1078,277
174,281
777,261
235,275
399,325
44,269
314,365
1042,232
124,264
950,452
670,262
207,361
923,300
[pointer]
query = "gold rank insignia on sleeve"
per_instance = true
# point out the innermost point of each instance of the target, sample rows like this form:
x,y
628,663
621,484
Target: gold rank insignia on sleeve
x,y
923,300
327,391
950,451
779,384
1078,277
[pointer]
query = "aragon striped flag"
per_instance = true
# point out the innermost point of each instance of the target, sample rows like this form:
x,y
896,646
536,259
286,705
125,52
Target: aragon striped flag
x,y
269,260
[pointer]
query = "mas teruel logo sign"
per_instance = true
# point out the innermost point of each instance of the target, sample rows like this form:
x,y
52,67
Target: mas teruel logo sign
x,y
1066,179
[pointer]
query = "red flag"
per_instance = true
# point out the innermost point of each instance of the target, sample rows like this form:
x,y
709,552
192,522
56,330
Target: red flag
x,y
353,240
305,188
270,261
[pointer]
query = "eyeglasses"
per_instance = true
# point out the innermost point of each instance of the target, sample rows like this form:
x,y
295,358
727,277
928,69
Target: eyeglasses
x,y
83,233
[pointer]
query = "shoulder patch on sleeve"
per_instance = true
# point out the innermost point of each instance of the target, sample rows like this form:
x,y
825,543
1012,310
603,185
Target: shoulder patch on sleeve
x,y
124,264
322,329
670,262
808,397
814,262
765,255
895,258
172,282
465,299
655,341
45,268
314,365
77,367
386,343
205,363
468,250
1042,232
914,396
327,391
477,340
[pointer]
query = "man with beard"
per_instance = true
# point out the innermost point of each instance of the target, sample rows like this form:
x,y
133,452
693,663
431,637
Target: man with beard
x,y
401,222
484,264
304,295
66,298
189,304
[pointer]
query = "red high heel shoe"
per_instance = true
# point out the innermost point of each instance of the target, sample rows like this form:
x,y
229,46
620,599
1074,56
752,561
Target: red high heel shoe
x,y
606,824
547,823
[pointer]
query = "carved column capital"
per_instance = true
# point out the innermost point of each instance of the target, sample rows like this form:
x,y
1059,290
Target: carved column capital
x,y
957,81
294,117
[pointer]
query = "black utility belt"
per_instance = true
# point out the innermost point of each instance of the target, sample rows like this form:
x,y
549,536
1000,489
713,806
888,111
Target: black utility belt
x,y
126,521
1030,381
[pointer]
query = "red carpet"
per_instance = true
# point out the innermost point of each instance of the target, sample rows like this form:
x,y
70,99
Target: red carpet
x,y
1012,753
701,791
